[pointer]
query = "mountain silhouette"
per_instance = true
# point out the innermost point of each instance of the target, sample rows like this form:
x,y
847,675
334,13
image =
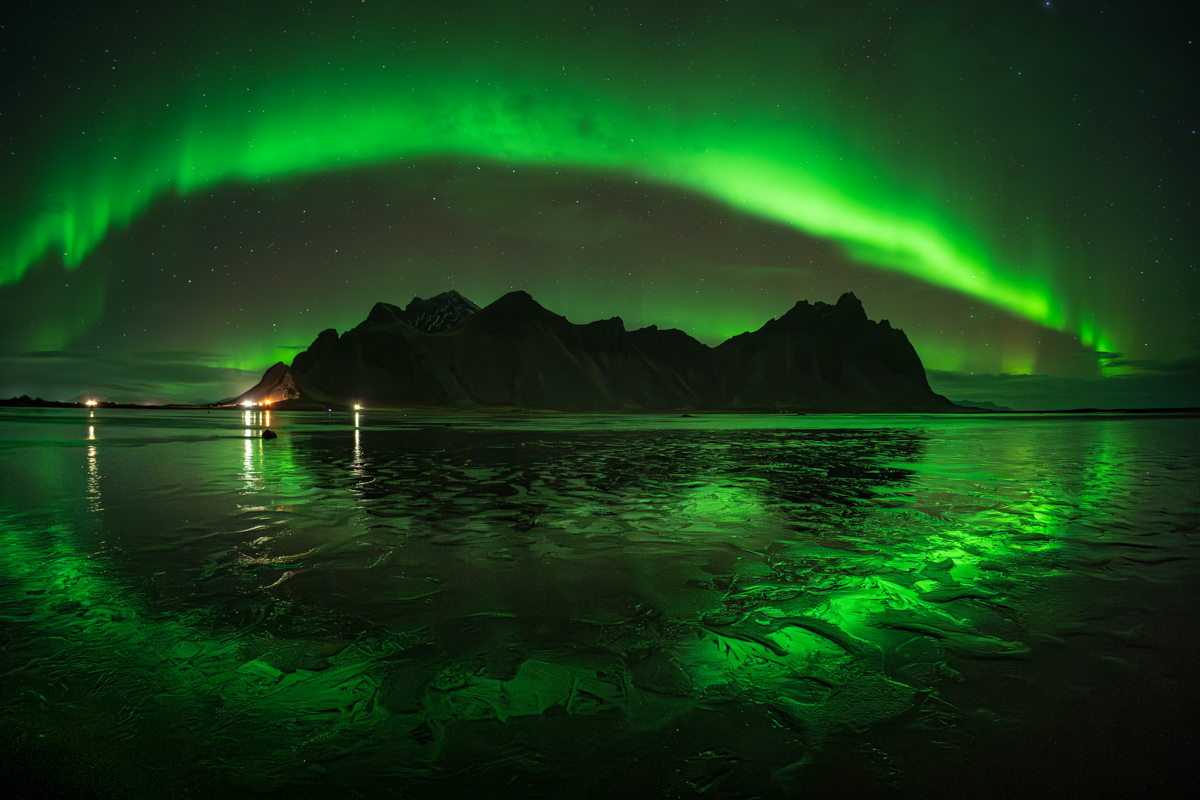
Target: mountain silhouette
x,y
446,352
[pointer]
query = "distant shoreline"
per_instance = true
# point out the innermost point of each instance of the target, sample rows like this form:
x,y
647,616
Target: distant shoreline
x,y
37,402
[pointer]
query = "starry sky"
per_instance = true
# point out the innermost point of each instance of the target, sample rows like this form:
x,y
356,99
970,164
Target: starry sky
x,y
191,194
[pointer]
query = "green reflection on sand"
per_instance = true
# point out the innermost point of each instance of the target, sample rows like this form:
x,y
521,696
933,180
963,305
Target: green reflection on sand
x,y
372,592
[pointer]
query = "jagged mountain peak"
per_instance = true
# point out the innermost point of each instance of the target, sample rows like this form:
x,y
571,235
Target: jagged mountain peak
x,y
515,353
383,314
438,313
448,296
849,300
277,385
517,300
433,315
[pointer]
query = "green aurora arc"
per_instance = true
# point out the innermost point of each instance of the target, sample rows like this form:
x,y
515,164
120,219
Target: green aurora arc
x,y
777,176
795,166
790,182
1010,182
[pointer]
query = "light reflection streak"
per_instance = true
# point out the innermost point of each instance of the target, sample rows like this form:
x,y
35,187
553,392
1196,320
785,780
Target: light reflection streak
x,y
93,475
249,473
252,472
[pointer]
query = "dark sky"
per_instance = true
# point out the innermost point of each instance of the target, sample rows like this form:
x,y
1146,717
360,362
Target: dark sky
x,y
190,194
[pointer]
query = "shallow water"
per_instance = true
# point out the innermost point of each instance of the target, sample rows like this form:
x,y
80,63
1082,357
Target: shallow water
x,y
517,606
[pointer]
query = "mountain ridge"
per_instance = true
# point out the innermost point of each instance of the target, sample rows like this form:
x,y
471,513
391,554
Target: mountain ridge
x,y
447,352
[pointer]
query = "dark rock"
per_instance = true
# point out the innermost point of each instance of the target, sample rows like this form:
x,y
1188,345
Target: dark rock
x,y
269,434
434,315
448,352
277,385
438,313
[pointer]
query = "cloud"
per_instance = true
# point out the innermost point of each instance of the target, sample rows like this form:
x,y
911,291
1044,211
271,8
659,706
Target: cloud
x,y
1150,365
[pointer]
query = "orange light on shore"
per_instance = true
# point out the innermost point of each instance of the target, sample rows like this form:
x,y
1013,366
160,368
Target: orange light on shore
x,y
90,403
357,407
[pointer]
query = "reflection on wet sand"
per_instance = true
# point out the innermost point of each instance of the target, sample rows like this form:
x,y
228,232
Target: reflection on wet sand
x,y
93,473
656,609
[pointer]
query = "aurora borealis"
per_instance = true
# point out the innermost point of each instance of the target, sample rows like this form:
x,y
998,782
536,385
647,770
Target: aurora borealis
x,y
192,194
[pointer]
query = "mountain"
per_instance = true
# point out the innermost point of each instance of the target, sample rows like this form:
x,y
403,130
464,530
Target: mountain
x,y
447,352
434,315
277,385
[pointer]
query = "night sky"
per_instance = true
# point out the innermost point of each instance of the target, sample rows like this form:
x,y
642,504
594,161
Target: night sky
x,y
188,195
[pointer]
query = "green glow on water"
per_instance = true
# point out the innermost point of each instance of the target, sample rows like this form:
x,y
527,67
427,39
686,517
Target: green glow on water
x,y
631,574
